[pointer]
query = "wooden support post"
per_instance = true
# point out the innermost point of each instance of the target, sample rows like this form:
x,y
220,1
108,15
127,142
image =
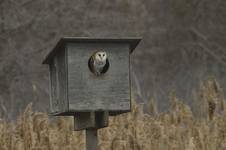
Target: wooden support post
x,y
91,121
91,139
87,120
84,120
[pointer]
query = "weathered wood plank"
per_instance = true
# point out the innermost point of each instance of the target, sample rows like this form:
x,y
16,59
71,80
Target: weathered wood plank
x,y
87,92
58,75
75,89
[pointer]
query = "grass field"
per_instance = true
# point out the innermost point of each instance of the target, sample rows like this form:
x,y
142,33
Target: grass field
x,y
177,129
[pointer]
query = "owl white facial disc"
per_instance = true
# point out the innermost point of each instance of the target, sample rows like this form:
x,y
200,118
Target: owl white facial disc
x,y
98,62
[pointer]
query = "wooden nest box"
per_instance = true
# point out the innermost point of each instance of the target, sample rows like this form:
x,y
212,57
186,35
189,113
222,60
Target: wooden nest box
x,y
75,88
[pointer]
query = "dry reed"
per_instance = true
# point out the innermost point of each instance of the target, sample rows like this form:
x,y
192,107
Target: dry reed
x,y
176,129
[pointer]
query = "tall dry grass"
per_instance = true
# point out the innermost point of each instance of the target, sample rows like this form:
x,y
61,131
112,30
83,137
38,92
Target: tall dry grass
x,y
176,129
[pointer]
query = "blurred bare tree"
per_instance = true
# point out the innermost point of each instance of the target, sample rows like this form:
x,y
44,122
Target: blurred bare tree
x,y
183,42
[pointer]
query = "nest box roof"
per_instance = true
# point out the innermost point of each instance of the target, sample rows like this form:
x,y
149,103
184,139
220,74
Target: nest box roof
x,y
133,42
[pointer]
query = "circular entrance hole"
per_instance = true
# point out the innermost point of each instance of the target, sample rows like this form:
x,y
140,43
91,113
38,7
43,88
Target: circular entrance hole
x,y
98,63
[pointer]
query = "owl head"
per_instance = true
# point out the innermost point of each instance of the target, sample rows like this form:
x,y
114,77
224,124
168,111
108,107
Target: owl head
x,y
100,56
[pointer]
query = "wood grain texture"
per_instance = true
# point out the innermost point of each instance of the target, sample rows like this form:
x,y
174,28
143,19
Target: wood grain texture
x,y
87,92
58,102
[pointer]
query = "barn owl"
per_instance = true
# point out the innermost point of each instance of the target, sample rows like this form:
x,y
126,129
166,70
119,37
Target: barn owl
x,y
98,63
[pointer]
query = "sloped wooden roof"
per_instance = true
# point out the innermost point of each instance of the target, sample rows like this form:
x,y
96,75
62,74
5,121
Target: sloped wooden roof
x,y
132,41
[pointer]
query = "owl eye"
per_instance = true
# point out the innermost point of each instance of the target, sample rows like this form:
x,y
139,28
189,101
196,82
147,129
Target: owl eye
x,y
99,54
103,54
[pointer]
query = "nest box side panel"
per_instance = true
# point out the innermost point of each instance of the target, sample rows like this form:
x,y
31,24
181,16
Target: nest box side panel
x,y
107,92
58,83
